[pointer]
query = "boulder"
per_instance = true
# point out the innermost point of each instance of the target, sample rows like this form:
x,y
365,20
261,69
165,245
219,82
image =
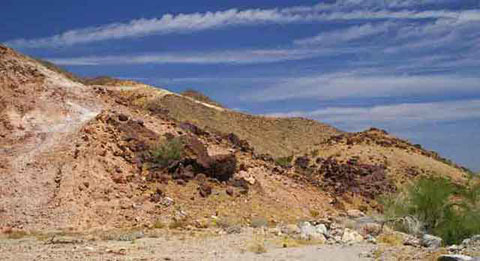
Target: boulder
x,y
474,240
410,240
455,258
122,117
243,175
431,241
351,236
205,190
302,162
355,213
309,232
192,128
322,229
373,229
290,229
222,167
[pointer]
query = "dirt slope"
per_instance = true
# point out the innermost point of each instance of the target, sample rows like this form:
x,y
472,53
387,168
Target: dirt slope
x,y
40,110
276,136
373,162
77,157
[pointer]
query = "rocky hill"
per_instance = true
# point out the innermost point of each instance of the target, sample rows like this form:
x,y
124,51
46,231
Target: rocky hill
x,y
109,154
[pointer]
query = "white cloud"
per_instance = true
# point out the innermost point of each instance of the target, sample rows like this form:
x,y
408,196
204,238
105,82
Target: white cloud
x,y
182,23
356,85
397,114
340,36
218,57
164,25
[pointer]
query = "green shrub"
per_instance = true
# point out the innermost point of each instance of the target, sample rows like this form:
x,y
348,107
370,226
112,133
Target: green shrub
x,y
168,152
284,161
444,209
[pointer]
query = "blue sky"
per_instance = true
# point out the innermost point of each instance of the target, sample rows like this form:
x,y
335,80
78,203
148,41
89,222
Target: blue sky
x,y
411,67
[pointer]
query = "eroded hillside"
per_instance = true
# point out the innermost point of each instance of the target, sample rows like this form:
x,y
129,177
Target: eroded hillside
x,y
99,156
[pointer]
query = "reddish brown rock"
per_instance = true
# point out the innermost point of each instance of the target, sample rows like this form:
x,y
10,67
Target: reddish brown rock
x,y
205,190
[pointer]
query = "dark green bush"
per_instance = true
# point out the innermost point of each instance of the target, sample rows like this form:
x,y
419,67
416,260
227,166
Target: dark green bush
x,y
444,209
284,161
168,152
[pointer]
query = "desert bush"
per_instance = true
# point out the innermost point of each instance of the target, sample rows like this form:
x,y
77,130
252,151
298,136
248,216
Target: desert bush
x,y
259,222
314,213
17,234
168,152
442,208
158,224
178,224
284,161
391,239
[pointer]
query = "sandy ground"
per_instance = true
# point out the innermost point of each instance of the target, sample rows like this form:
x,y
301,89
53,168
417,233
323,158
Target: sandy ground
x,y
225,247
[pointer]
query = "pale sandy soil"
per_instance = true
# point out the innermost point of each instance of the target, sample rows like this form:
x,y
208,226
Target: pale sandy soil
x,y
225,247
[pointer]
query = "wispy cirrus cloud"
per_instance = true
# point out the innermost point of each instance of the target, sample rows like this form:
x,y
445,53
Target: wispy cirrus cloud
x,y
355,85
407,113
184,23
345,35
258,56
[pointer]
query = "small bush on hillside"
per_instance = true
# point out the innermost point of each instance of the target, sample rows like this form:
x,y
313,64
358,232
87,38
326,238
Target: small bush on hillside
x,y
284,161
442,208
168,152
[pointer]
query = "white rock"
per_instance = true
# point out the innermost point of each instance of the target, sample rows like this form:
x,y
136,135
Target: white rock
x,y
455,248
371,239
351,236
290,229
246,176
471,240
431,241
322,229
455,258
355,213
309,232
410,240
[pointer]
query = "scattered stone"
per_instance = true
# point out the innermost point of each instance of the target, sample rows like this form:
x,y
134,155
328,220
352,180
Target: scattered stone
x,y
243,175
302,162
235,229
373,229
157,196
431,241
471,241
122,117
200,177
192,128
362,179
409,240
243,145
167,201
371,239
455,248
64,240
230,191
